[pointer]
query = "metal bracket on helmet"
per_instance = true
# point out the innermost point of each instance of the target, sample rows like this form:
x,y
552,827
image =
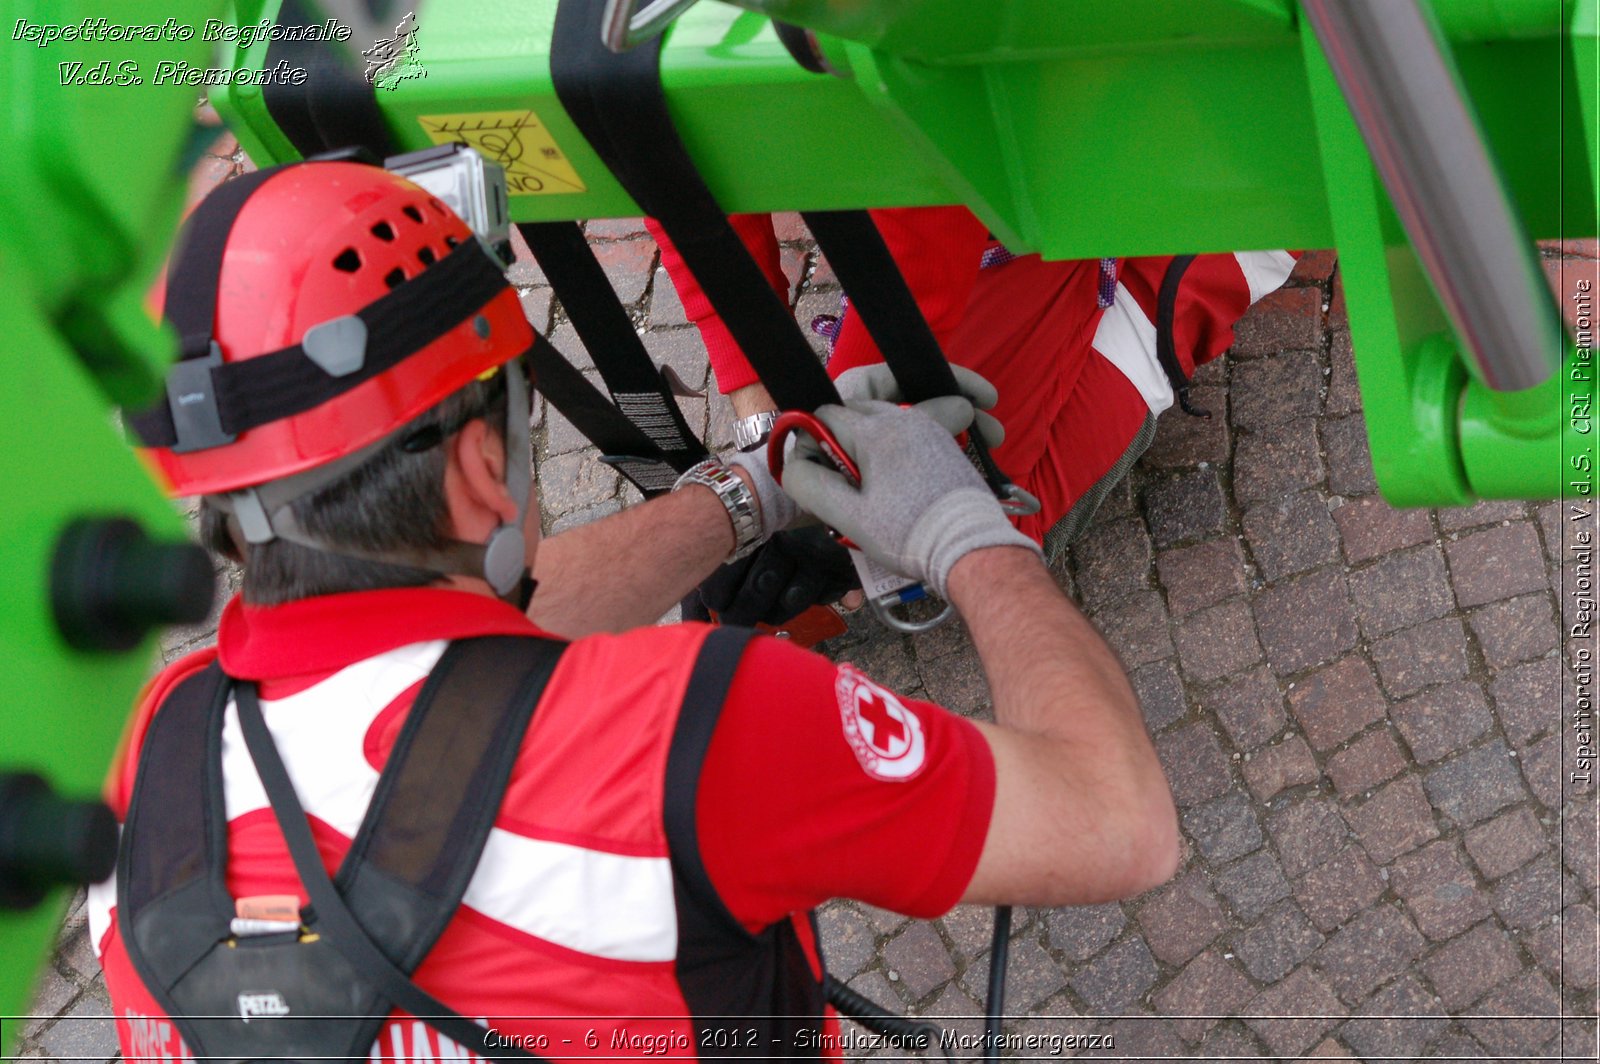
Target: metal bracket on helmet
x,y
469,184
192,395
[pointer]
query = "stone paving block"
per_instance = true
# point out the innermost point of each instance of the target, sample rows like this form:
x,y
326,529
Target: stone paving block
x,y
1183,440
955,681
1139,1038
1442,720
1208,986
1182,919
1232,1040
1218,641
1527,699
1253,884
1160,692
1432,652
882,920
1468,966
1224,828
597,229
1288,319
1196,767
1032,977
1117,979
1275,389
1271,946
1525,999
1340,887
666,306
536,307
970,930
1438,891
569,482
848,941
1136,628
53,991
1277,461
1484,512
1368,951
1336,702
1396,819
1546,767
1367,762
86,1032
1401,590
1455,1048
1515,630
873,985
1578,832
1111,561
1080,932
1291,535
1185,507
1344,442
1370,528
627,265
1496,563
1396,1023
1249,707
1202,575
1344,390
1580,963
919,957
1505,843
1307,832
1305,621
1314,267
1279,767
1308,1002
1477,784
1533,894
681,349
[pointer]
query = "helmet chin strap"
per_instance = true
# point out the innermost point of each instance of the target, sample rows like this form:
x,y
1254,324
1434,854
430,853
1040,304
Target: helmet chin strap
x,y
263,513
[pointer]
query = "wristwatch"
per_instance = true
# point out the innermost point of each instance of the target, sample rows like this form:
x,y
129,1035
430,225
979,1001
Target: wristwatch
x,y
752,431
736,496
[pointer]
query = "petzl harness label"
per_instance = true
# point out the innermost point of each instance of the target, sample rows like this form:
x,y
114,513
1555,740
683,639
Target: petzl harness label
x,y
535,165
262,1004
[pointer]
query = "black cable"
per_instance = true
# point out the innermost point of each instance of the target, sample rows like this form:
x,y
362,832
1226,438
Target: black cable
x,y
999,950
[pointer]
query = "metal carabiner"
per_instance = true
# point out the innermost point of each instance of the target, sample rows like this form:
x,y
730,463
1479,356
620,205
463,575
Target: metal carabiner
x,y
886,590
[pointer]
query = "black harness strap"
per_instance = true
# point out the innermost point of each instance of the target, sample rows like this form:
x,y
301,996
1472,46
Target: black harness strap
x,y
1166,350
335,107
616,101
879,292
639,389
325,993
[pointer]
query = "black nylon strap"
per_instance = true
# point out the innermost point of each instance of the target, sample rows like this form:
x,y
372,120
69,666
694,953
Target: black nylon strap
x,y
191,298
878,291
335,106
636,385
1166,352
622,444
328,911
286,382
617,103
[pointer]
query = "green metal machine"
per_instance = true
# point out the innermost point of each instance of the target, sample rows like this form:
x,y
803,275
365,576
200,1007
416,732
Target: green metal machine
x,y
1074,129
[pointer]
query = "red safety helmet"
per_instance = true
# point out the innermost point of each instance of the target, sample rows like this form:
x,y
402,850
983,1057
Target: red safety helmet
x,y
285,251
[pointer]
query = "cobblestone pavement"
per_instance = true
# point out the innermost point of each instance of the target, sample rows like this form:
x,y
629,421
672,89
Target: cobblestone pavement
x,y
1360,710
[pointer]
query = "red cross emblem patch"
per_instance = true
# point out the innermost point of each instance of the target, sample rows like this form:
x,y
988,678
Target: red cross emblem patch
x,y
885,735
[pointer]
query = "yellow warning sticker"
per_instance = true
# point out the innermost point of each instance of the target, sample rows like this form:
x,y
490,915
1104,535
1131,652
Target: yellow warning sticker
x,y
518,141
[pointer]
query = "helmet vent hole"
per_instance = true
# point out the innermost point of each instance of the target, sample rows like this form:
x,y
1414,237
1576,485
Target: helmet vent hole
x,y
347,261
450,242
412,213
426,256
383,231
395,277
438,208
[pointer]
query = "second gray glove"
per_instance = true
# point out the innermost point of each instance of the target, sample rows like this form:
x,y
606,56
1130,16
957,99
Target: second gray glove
x,y
921,506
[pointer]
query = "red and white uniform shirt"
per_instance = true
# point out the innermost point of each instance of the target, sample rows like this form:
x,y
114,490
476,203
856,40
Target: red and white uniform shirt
x,y
817,783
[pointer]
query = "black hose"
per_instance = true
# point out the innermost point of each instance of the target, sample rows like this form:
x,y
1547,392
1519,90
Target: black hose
x,y
914,1034
998,953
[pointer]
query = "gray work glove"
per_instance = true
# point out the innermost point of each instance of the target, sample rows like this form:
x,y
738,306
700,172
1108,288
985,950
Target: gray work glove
x,y
877,382
921,506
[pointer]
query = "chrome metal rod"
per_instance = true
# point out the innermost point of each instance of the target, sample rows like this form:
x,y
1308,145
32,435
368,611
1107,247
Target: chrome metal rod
x,y
1395,72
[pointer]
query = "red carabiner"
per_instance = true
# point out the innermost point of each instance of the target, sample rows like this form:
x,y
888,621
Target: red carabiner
x,y
792,421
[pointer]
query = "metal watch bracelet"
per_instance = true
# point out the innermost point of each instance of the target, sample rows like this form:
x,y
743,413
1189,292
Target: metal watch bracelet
x,y
736,496
751,431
